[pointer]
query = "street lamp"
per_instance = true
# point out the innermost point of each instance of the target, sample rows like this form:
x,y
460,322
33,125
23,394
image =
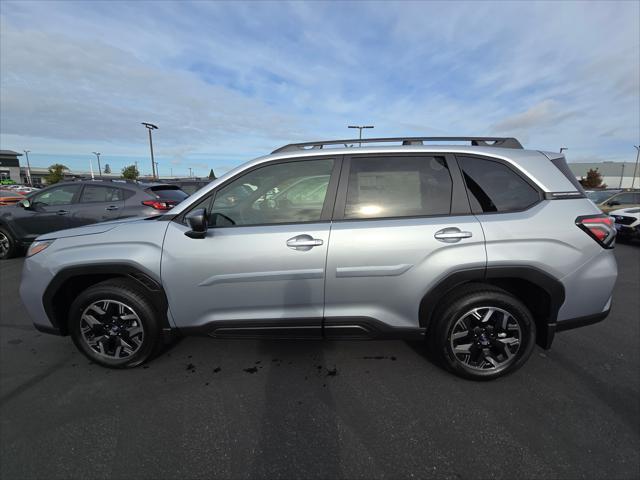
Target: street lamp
x,y
360,128
562,149
26,152
151,126
97,154
635,168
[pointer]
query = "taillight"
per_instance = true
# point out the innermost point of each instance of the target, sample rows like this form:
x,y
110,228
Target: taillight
x,y
599,227
158,205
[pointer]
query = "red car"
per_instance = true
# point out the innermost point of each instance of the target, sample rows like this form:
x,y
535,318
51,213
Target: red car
x,y
8,197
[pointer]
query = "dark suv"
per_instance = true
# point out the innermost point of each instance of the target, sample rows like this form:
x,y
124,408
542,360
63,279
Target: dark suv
x,y
74,204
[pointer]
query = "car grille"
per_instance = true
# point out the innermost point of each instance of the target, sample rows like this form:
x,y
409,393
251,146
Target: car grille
x,y
624,220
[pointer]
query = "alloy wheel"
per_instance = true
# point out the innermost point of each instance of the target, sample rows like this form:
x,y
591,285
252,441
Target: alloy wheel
x,y
112,329
486,338
4,245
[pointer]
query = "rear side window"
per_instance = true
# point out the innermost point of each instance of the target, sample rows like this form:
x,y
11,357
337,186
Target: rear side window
x,y
168,193
494,187
398,186
95,193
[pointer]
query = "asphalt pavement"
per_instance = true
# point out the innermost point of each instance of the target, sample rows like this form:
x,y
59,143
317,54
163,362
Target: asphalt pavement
x,y
318,409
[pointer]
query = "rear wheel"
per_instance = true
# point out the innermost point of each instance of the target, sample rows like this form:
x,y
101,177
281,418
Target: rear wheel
x,y
8,247
114,324
483,332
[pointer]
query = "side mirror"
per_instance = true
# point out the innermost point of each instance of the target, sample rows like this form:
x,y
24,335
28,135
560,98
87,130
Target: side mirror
x,y
198,222
26,204
613,203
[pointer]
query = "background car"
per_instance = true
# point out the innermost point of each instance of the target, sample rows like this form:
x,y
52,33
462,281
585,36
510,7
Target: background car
x,y
190,185
74,204
625,199
7,197
627,222
599,196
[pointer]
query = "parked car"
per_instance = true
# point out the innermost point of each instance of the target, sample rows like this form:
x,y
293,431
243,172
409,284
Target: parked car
x,y
627,223
623,199
74,204
482,250
599,196
8,197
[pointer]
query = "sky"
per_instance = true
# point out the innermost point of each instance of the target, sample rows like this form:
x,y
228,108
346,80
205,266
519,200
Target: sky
x,y
227,82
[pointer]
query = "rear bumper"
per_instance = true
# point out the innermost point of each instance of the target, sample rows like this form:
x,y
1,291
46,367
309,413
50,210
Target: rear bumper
x,y
578,322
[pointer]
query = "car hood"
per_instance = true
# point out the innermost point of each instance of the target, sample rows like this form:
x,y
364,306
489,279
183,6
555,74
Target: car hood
x,y
93,229
631,212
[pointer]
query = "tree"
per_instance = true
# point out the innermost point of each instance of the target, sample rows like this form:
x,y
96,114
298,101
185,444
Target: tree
x,y
130,172
212,176
56,173
593,180
107,168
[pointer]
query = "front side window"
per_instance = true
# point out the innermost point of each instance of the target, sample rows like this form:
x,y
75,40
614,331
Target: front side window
x,y
288,192
62,195
398,187
494,187
95,193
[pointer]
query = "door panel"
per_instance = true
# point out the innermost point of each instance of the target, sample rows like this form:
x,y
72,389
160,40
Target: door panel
x,y
97,204
382,269
49,212
245,274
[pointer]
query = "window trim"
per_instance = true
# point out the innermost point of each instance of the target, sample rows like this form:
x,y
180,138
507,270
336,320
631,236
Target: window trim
x,y
327,207
459,205
530,182
85,186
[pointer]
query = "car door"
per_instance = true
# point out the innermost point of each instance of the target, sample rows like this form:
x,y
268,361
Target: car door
x,y
49,210
98,203
402,223
260,268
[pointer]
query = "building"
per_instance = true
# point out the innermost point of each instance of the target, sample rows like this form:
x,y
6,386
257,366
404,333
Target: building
x,y
10,165
614,174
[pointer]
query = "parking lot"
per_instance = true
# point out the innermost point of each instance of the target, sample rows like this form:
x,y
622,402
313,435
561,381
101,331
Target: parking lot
x,y
273,409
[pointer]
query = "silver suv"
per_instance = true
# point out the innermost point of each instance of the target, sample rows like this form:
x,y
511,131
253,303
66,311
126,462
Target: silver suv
x,y
482,250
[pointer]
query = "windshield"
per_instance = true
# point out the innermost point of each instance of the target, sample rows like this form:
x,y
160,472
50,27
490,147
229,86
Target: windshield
x,y
600,196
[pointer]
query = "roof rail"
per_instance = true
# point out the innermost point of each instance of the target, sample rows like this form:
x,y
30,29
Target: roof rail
x,y
504,142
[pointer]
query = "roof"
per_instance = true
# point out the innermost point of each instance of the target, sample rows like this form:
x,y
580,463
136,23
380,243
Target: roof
x,y
606,169
10,153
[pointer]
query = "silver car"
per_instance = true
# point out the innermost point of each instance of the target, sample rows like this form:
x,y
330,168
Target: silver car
x,y
482,250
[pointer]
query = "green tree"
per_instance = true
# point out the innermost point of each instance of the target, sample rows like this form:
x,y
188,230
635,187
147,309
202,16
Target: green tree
x,y
593,179
130,172
56,173
212,176
107,168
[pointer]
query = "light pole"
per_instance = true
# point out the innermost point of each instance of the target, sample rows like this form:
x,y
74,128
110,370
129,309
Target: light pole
x,y
635,168
26,152
359,127
189,172
97,154
621,175
151,126
157,170
562,149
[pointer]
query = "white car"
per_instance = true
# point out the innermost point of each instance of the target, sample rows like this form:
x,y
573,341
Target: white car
x,y
627,222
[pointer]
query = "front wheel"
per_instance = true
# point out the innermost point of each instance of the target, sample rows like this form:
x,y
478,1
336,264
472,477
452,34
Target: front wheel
x,y
8,247
115,325
483,332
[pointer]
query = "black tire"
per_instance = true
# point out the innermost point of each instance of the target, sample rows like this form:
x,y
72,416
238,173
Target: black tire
x,y
112,327
485,348
8,246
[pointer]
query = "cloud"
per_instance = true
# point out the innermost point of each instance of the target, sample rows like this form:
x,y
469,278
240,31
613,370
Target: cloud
x,y
230,81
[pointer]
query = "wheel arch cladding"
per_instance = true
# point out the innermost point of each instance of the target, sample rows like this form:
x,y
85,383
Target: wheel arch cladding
x,y
68,283
541,293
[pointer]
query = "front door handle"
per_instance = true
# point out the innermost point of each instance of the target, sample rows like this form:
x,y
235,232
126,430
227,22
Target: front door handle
x,y
304,242
111,208
62,212
451,235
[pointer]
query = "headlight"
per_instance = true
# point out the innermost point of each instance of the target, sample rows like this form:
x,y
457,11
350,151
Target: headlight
x,y
37,247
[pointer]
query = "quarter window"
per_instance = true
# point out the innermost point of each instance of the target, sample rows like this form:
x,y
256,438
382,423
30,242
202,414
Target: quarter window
x,y
398,187
288,192
494,187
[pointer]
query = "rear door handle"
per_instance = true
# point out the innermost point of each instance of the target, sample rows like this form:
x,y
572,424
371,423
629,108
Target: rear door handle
x,y
111,208
451,235
304,242
62,212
